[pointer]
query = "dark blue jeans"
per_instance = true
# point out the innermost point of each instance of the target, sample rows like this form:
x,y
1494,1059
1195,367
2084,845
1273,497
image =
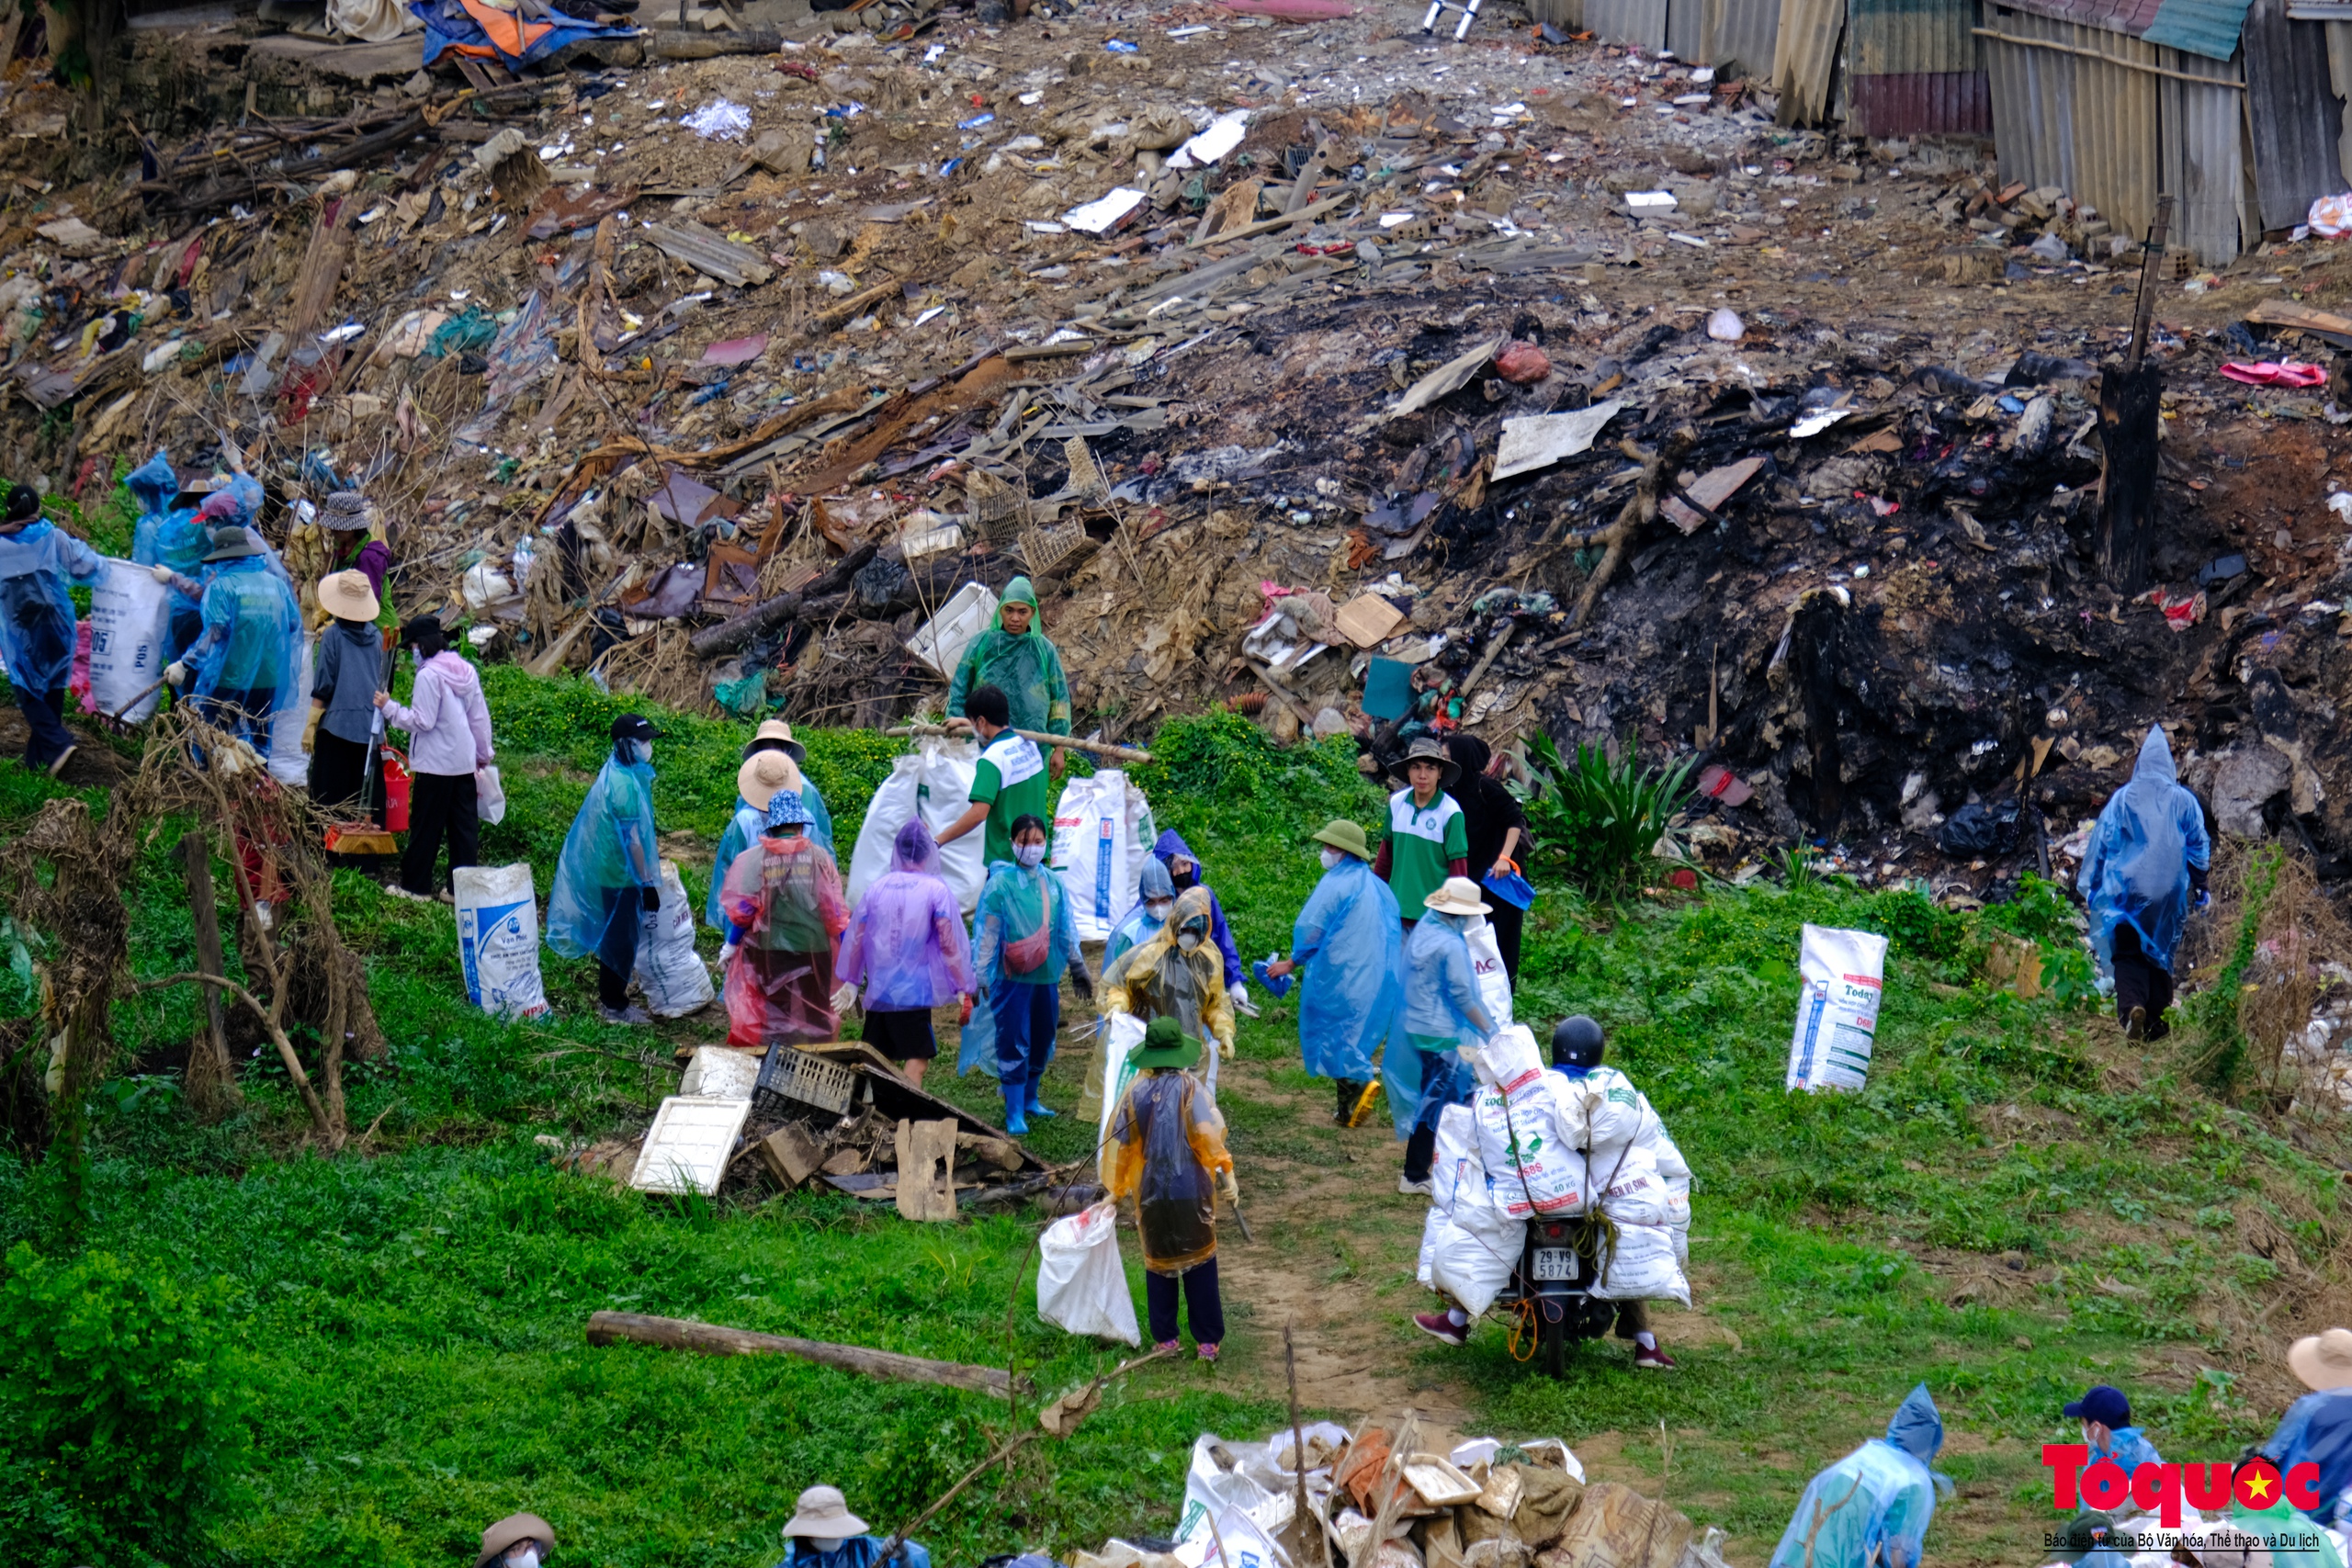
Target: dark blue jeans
x,y
1026,1017
47,739
1442,1086
243,714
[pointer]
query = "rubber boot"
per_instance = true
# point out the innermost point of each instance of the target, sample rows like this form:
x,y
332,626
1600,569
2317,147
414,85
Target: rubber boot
x,y
1014,1122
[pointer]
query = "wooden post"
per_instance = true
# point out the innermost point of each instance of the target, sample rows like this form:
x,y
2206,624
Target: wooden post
x,y
211,1081
2131,415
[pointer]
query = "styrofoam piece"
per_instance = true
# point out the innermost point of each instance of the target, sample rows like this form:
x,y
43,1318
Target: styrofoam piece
x,y
686,1148
1094,217
721,1072
1223,135
940,642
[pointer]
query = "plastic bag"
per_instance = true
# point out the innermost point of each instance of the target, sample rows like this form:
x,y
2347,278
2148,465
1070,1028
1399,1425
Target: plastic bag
x,y
1081,1283
498,939
1211,1487
894,805
1475,1253
1533,1164
1486,964
1844,974
947,771
131,621
288,764
1512,886
2330,216
1642,1267
1096,852
1121,1034
668,967
490,796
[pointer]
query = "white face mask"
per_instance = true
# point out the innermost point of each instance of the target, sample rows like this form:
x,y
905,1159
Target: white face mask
x,y
1161,911
1333,857
645,753
1188,940
527,1558
1029,854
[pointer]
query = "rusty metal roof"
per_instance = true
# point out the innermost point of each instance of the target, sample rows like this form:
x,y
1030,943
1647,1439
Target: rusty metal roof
x,y
2207,28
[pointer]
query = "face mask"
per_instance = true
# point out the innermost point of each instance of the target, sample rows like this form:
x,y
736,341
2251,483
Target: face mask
x,y
529,1558
644,752
1160,911
1333,857
1185,877
1188,940
1029,854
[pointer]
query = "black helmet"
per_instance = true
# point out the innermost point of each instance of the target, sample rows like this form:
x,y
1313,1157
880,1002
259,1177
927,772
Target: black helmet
x,y
1578,1043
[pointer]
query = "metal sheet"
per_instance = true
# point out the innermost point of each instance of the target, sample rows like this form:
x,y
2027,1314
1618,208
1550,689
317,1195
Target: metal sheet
x,y
1741,33
1804,58
1686,30
1565,15
2209,28
2296,115
1901,38
2128,16
1946,103
2092,117
1641,23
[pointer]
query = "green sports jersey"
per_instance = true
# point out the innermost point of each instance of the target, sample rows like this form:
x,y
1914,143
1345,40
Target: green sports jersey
x,y
1422,842
1010,780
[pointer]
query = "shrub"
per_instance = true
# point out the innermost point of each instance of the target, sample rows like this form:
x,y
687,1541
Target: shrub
x,y
122,1426
1596,820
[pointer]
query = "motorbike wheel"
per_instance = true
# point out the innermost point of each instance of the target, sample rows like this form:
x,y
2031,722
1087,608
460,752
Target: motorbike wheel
x,y
1554,1345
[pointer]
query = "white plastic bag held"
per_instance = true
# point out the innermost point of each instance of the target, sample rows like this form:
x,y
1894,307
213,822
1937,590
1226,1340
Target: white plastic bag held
x,y
1081,1284
490,798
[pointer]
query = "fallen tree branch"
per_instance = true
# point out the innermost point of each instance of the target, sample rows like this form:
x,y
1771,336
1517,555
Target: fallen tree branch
x,y
716,1339
303,1085
764,617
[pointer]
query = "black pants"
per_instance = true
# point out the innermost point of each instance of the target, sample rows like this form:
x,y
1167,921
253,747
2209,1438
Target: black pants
x,y
1507,921
339,775
617,954
1203,1305
2139,983
47,739
438,804
1632,1318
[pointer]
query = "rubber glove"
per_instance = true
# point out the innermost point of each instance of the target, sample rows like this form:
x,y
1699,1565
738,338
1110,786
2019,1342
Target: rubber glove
x,y
844,997
1082,982
310,730
964,1015
1237,994
176,673
1229,1187
1225,1050
727,954
161,572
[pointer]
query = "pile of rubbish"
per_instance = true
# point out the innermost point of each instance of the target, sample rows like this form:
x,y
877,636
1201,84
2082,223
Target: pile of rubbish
x,y
1318,1496
838,1115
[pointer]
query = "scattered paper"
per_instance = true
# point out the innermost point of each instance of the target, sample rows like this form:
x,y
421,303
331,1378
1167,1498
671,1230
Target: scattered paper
x,y
1538,440
1815,423
1452,375
721,119
736,351
1650,200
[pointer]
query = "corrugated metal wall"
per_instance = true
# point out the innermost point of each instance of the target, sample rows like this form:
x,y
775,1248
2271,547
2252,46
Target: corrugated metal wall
x,y
1945,103
1638,22
2296,116
1804,58
2093,116
1739,32
1565,15
1918,68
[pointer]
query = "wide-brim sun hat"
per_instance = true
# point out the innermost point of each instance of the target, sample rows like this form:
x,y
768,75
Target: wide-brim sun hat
x,y
774,733
822,1511
1458,896
1427,749
1342,834
233,543
504,1536
1165,1044
2322,1360
761,774
346,596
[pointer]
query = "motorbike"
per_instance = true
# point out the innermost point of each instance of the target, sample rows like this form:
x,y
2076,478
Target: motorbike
x,y
1546,1293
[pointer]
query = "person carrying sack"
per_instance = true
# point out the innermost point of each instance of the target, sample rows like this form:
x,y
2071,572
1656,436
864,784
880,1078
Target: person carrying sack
x,y
1441,1012
1171,1161
1347,939
609,875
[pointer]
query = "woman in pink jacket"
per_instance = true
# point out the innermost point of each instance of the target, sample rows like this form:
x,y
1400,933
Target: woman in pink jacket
x,y
448,726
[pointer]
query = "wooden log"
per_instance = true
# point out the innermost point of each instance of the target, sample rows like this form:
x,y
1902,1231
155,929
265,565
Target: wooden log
x,y
715,1339
1099,748
768,614
677,43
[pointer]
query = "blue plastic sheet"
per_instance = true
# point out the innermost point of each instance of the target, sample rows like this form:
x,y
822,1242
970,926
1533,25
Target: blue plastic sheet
x,y
36,612
1350,947
611,846
2317,1429
253,628
485,33
2136,870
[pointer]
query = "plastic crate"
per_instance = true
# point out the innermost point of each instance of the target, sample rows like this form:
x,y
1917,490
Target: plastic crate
x,y
796,1074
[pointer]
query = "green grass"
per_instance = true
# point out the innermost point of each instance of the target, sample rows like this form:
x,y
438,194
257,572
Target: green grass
x,y
2007,1211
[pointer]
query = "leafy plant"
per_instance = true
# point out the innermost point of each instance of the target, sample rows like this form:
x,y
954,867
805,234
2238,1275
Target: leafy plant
x,y
1596,820
2214,1011
123,1425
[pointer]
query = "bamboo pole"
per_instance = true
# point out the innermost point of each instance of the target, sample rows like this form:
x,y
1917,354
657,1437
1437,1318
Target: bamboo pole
x,y
1100,747
716,1339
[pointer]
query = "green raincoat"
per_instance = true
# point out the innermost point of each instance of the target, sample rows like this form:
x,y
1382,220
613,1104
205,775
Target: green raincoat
x,y
1027,669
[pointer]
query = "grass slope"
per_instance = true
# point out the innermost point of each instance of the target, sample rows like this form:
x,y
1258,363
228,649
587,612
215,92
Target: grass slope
x,y
2013,1208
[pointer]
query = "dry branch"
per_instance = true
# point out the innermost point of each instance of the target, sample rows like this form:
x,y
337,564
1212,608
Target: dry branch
x,y
716,1339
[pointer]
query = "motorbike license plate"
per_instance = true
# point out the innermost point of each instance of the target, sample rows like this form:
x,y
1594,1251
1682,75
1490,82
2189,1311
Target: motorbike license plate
x,y
1556,1263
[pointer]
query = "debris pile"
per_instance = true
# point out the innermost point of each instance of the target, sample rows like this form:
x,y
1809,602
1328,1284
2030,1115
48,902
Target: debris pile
x,y
1317,1496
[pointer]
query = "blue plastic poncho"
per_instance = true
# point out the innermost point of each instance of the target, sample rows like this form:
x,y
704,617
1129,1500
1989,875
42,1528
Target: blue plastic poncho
x,y
1348,945
1439,1001
1026,911
1171,848
1140,925
36,614
2131,1449
2136,871
2317,1429
171,536
251,629
611,846
857,1551
1872,1507
744,830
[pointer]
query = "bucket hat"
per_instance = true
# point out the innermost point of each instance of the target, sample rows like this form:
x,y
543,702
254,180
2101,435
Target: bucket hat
x,y
345,510
2322,1360
510,1532
1342,834
1458,896
346,596
1427,749
1165,1044
785,809
776,735
233,543
822,1511
761,774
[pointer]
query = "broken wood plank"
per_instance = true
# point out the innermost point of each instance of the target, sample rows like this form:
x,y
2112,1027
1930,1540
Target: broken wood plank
x,y
716,1339
926,1154
2291,314
1306,214
791,1155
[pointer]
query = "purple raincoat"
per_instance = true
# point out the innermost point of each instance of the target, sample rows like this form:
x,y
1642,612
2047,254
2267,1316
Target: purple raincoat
x,y
905,946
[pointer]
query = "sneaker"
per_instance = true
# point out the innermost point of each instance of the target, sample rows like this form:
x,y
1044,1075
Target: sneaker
x,y
630,1016
1205,1353
1438,1325
2136,1026
446,896
397,891
1424,1188
62,757
1169,1345
1649,1360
